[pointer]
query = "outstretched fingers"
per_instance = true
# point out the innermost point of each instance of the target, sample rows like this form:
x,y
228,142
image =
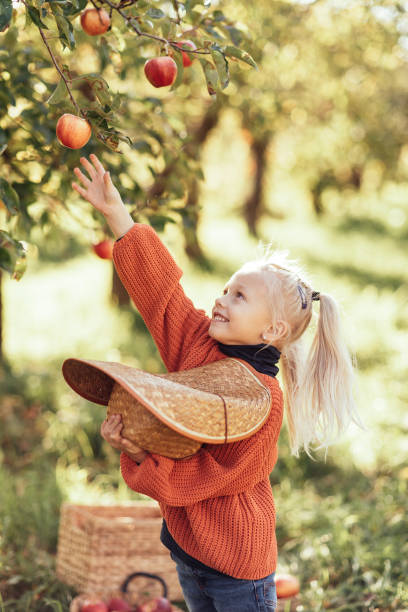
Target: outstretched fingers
x,y
98,166
81,176
88,167
80,190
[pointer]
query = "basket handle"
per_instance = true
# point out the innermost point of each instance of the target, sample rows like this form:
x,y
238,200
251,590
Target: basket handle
x,y
129,578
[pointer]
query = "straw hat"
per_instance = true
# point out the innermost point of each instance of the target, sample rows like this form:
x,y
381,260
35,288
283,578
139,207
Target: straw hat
x,y
173,414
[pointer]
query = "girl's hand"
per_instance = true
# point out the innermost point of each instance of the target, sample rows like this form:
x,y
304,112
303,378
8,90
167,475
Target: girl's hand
x,y
110,431
98,189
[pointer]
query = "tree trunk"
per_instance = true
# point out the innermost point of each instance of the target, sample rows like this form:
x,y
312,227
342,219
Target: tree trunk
x,y
119,295
1,317
199,135
192,245
253,206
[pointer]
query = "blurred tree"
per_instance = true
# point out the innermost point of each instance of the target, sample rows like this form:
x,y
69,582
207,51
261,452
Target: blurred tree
x,y
49,65
328,104
37,85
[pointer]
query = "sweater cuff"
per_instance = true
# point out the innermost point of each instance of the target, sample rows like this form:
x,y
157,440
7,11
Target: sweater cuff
x,y
129,230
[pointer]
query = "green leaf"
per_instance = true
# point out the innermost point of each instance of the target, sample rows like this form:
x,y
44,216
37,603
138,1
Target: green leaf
x,y
9,196
74,7
235,35
190,4
218,16
155,13
59,94
240,54
211,76
98,85
12,255
36,17
178,58
6,11
65,29
221,65
213,32
158,222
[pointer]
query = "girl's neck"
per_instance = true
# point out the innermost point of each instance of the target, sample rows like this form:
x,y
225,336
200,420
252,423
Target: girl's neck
x,y
262,357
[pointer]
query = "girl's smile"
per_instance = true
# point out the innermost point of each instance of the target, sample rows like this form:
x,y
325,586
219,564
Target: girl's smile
x,y
242,315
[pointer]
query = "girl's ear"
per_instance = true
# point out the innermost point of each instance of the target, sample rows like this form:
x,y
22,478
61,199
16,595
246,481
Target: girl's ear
x,y
279,332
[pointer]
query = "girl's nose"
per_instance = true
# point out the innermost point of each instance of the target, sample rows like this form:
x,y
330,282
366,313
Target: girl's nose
x,y
220,301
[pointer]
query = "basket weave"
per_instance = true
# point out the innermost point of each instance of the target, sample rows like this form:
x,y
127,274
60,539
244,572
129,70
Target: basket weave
x,y
99,546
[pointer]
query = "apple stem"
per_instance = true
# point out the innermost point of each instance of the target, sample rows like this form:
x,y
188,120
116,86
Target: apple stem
x,y
130,22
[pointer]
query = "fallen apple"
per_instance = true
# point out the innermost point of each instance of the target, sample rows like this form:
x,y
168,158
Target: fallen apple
x,y
72,131
104,249
158,604
286,586
95,21
117,604
161,71
187,60
94,605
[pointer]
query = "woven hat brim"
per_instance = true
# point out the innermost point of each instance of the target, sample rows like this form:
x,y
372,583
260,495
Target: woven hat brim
x,y
194,403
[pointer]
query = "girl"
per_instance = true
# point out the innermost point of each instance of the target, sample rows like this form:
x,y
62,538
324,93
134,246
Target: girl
x,y
218,507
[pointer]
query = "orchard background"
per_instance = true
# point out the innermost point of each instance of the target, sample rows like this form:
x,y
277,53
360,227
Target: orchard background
x,y
290,126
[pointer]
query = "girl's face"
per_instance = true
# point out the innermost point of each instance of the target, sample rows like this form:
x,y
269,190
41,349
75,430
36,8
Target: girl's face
x,y
242,315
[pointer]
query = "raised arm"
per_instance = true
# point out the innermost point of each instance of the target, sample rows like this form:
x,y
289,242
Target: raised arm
x,y
149,274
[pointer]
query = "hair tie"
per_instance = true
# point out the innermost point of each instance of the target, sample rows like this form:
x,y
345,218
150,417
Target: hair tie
x,y
302,296
315,296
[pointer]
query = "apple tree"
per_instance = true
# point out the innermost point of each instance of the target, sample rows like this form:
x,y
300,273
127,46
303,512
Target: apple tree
x,y
53,63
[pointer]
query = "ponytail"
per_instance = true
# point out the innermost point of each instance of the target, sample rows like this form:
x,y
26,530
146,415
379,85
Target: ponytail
x,y
319,388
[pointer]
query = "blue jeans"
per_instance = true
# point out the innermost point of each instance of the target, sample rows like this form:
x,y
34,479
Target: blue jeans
x,y
207,592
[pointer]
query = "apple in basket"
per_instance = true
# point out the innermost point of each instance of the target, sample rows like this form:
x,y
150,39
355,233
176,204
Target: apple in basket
x,y
118,604
158,604
94,605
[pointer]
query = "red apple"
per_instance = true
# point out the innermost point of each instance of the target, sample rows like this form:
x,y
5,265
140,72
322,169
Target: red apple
x,y
72,131
187,61
94,605
117,604
161,71
94,21
286,585
158,604
104,249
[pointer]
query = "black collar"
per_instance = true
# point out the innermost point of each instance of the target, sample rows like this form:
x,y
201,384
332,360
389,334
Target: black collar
x,y
262,357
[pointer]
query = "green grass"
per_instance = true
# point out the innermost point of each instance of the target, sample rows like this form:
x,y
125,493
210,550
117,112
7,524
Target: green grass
x,y
342,524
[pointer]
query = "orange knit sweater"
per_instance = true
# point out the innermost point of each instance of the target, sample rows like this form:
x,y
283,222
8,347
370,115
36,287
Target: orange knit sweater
x,y
218,504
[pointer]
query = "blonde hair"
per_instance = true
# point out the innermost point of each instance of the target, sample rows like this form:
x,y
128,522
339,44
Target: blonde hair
x,y
318,386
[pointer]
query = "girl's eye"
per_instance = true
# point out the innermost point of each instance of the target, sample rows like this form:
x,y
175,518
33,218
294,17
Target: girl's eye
x,y
239,294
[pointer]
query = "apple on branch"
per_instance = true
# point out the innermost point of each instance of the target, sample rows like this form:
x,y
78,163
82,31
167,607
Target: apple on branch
x,y
72,131
104,249
95,21
161,71
187,60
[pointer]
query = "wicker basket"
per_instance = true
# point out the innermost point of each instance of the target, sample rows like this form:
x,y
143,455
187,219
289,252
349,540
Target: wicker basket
x,y
99,546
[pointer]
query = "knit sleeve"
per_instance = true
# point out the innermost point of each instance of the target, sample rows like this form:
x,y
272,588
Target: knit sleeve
x,y
215,470
151,277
